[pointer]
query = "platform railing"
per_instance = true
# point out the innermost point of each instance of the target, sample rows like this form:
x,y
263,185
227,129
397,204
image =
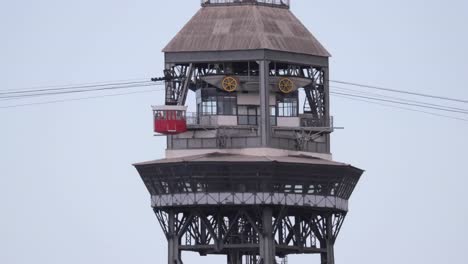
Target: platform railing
x,y
310,121
199,119
194,119
279,3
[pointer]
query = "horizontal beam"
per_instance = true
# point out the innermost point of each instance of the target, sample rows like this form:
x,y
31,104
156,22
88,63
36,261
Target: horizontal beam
x,y
299,250
244,55
289,250
286,199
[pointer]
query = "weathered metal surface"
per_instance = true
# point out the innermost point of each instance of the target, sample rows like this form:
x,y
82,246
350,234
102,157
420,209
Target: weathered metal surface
x,y
247,27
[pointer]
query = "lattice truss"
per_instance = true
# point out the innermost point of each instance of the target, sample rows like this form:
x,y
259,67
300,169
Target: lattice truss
x,y
179,79
315,92
221,232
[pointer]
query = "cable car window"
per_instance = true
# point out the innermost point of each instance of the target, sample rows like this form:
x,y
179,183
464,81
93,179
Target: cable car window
x,y
180,115
159,115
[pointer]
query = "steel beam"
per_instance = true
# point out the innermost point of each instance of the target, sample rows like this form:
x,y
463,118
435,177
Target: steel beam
x,y
245,55
174,253
330,240
265,122
267,243
234,257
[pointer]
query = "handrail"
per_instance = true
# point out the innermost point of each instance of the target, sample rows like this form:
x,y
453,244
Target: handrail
x,y
195,119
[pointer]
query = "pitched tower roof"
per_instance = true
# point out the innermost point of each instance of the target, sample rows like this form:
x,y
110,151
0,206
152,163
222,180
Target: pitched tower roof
x,y
245,27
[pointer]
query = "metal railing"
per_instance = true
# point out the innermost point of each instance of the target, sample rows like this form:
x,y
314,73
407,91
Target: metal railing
x,y
310,121
200,119
252,120
195,119
279,3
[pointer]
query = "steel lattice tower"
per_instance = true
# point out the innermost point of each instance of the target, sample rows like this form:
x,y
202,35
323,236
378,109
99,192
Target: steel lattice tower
x,y
250,175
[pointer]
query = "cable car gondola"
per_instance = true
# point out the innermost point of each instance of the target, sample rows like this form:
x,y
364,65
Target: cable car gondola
x,y
170,119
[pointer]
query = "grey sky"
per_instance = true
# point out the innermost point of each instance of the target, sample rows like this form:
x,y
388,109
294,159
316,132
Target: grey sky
x,y
69,195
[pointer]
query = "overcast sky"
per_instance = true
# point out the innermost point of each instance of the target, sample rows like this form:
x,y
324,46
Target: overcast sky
x,y
68,192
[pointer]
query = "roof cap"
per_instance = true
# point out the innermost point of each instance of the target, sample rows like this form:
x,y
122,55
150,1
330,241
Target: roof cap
x,y
245,27
273,3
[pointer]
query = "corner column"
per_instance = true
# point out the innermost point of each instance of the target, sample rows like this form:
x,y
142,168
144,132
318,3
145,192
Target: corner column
x,y
173,254
234,257
326,86
267,243
265,124
329,243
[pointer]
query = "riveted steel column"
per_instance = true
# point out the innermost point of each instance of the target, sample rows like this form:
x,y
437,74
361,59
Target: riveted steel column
x,y
234,257
326,86
173,254
330,241
267,243
265,126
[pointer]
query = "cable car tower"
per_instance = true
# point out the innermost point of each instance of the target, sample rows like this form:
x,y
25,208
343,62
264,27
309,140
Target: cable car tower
x,y
249,174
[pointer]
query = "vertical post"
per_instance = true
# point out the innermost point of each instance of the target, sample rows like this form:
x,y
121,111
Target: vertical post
x,y
265,126
173,254
326,87
297,232
326,114
267,243
327,241
329,257
234,257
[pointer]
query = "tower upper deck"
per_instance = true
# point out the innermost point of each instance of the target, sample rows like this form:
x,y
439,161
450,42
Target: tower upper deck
x,y
251,66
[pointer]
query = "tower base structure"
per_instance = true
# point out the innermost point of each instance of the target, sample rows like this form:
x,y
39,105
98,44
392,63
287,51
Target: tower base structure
x,y
252,209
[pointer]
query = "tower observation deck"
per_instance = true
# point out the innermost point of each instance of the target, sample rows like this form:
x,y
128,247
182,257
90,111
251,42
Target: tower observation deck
x,y
249,174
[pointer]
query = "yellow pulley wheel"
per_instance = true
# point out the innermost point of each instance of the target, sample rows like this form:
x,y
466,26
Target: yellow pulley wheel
x,y
286,85
229,84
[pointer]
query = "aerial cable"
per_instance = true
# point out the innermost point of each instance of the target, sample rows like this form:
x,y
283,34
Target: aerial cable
x,y
395,98
78,85
402,103
400,107
401,91
77,91
72,88
78,99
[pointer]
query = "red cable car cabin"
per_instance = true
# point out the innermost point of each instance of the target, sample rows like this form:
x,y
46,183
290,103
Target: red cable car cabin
x,y
170,119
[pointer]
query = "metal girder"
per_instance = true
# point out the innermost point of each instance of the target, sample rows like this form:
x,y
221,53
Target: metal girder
x,y
250,234
316,102
178,79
